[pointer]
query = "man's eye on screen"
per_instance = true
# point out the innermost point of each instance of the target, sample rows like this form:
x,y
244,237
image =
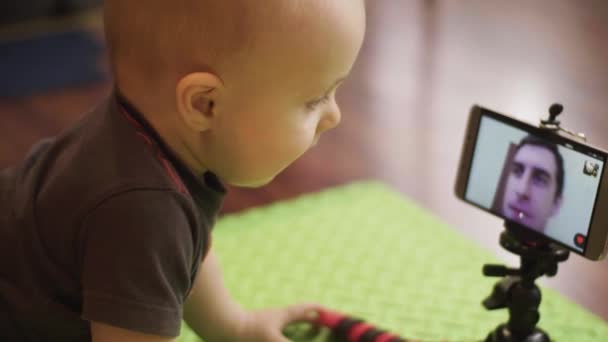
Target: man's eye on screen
x,y
517,170
541,179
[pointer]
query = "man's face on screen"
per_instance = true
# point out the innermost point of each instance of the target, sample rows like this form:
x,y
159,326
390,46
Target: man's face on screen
x,y
530,193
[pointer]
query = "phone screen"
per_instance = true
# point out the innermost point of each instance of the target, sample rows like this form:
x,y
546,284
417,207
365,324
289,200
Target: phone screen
x,y
543,182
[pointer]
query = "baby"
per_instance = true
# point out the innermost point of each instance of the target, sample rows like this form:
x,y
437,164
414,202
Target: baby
x,y
105,230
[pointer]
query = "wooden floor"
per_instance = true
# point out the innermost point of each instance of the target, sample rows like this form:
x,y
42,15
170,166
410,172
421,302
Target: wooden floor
x,y
424,63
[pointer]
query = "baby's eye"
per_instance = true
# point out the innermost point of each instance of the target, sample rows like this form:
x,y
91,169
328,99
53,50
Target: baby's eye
x,y
315,103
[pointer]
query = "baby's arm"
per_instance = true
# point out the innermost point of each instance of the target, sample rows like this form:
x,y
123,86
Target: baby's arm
x,y
209,310
215,316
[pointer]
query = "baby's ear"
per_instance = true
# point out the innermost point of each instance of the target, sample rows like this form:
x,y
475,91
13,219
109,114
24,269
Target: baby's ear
x,y
196,94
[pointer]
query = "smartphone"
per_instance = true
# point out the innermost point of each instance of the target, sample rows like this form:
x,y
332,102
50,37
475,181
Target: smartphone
x,y
551,185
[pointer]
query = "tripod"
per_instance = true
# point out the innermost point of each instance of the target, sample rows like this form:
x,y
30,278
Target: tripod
x,y
517,290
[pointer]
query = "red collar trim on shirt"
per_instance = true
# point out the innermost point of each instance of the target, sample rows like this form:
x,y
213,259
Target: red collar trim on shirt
x,y
131,114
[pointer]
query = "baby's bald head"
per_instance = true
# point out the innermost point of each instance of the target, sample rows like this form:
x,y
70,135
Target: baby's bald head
x,y
160,40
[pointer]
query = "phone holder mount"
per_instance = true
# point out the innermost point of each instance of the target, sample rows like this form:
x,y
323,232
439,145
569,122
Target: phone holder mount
x,y
517,290
553,125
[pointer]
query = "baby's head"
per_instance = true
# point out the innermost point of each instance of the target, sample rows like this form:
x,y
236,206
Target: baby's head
x,y
238,87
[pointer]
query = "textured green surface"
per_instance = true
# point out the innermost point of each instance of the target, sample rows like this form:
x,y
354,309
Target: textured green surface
x,y
366,250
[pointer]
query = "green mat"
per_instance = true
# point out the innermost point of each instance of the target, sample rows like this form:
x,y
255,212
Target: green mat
x,y
365,250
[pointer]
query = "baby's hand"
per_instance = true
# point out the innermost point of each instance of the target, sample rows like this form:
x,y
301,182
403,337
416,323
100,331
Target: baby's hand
x,y
267,325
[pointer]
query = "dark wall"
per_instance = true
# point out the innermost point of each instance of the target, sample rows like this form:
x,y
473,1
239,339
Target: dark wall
x,y
13,11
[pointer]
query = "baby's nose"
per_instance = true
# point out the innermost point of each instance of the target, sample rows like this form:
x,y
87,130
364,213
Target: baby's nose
x,y
330,120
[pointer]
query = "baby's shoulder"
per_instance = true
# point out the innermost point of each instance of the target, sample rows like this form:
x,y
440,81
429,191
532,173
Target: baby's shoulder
x,y
97,159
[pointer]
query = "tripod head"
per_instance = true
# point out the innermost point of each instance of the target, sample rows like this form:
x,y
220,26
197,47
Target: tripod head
x,y
517,291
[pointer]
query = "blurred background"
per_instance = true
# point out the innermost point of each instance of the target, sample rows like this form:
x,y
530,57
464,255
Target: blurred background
x,y
422,66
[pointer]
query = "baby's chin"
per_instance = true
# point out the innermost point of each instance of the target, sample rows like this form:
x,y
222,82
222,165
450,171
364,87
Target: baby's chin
x,y
252,183
257,182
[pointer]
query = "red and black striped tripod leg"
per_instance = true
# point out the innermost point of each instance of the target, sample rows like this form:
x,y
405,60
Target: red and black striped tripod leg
x,y
351,329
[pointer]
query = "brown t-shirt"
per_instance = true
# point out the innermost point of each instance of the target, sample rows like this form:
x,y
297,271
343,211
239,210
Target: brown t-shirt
x,y
101,223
